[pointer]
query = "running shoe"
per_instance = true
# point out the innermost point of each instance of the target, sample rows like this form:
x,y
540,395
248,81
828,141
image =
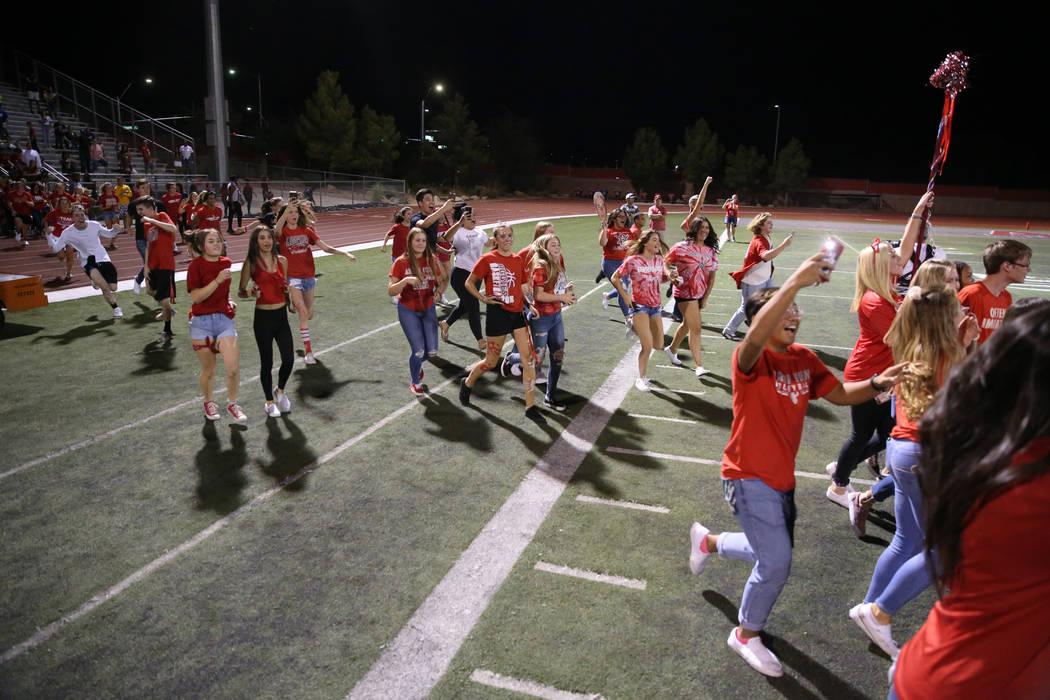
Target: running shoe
x,y
160,314
872,463
138,287
755,653
701,371
283,402
605,301
211,410
841,499
728,335
117,313
310,359
697,557
464,392
858,513
541,377
642,384
235,412
504,366
552,404
830,468
165,337
629,323
877,632
600,276
672,356
417,389
272,411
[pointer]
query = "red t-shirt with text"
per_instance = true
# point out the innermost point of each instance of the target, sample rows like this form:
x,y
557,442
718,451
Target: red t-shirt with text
x,y
645,276
296,245
503,275
21,202
161,254
209,217
171,204
420,295
694,264
989,309
769,407
59,221
617,240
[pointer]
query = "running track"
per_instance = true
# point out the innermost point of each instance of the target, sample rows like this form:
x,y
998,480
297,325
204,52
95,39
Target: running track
x,y
341,228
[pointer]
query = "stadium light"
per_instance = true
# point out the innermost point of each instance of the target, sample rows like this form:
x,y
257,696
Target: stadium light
x,y
437,87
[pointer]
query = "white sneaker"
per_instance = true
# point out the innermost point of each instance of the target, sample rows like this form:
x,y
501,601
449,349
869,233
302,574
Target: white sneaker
x,y
642,384
234,411
117,313
841,499
756,655
393,300
272,411
160,314
629,323
284,404
605,301
138,287
701,371
697,558
879,633
541,378
830,468
672,356
310,359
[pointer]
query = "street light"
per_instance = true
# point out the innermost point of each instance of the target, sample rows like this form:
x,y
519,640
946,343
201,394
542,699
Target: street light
x,y
119,121
232,72
776,136
437,87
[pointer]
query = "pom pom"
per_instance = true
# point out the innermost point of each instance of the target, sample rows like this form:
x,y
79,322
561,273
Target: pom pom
x,y
950,76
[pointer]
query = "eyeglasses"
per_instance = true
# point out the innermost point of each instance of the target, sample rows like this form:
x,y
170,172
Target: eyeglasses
x,y
794,310
1026,265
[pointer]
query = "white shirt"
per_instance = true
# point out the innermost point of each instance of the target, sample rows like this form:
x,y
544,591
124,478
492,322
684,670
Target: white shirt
x,y
469,245
30,155
186,151
85,241
759,272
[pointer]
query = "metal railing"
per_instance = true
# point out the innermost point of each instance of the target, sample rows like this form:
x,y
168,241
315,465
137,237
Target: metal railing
x,y
100,111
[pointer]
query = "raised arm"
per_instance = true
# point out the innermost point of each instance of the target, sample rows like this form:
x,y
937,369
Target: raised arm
x,y
334,251
911,229
438,213
774,252
695,211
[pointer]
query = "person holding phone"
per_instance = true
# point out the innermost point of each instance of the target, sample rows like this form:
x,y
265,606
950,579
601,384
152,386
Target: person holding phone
x,y
757,271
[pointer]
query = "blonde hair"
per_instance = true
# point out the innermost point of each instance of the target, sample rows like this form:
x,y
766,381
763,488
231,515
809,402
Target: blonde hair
x,y
543,258
925,333
932,273
541,229
873,272
759,221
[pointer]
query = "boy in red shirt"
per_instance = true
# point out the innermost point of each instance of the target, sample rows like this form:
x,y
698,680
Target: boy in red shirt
x,y
773,382
159,231
1006,262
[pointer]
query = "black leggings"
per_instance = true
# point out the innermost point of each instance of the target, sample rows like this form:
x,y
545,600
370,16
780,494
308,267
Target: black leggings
x,y
271,325
870,427
468,303
231,211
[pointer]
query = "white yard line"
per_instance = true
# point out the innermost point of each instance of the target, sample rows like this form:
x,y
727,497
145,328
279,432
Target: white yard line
x,y
623,581
413,662
532,688
664,418
630,505
45,633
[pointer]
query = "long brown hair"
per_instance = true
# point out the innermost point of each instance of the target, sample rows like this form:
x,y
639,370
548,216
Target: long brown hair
x,y
543,258
638,244
428,256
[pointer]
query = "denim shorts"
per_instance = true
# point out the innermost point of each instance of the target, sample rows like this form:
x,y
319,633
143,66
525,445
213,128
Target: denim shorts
x,y
303,284
212,327
649,311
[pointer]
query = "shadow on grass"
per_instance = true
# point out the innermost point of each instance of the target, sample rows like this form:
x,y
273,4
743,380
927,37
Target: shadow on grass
x,y
80,332
144,316
454,424
18,330
827,683
818,411
290,453
830,360
219,476
696,407
156,357
317,383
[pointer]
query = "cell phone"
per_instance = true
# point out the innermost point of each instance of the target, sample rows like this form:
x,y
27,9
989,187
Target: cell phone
x,y
832,250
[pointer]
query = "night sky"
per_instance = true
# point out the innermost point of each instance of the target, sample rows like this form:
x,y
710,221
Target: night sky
x,y
851,80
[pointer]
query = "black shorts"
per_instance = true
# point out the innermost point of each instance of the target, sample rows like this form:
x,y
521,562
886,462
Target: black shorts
x,y
106,269
162,282
500,322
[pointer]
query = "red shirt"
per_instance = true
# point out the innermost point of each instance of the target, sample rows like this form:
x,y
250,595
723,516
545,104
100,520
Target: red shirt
x,y
769,407
617,240
694,263
988,308
21,202
59,220
732,208
657,224
553,286
209,217
503,275
758,245
871,355
55,196
295,244
990,636
199,274
107,202
271,285
161,255
645,277
400,239
418,296
171,204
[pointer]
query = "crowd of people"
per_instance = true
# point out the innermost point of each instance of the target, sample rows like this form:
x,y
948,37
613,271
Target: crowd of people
x,y
969,486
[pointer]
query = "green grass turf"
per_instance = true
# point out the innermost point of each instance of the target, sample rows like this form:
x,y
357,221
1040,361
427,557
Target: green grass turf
x,y
298,596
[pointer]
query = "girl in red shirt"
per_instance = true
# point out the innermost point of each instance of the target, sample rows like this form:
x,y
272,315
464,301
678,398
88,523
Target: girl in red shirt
x,y
756,273
507,285
399,233
614,238
414,277
986,493
695,261
56,222
212,330
930,332
644,267
264,276
297,243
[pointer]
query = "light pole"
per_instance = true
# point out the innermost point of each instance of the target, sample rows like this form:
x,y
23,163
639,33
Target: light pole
x,y
776,136
438,87
258,83
120,122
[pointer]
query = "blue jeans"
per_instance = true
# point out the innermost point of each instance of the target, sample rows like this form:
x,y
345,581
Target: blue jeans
x,y
141,245
746,290
901,573
548,333
768,519
421,329
609,267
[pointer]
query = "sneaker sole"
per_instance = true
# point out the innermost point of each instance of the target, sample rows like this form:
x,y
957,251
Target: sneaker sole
x,y
697,559
862,622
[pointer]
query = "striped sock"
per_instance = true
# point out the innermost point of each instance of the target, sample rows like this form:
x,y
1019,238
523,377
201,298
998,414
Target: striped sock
x,y
304,333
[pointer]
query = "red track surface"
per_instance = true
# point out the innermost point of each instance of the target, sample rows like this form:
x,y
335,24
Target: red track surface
x,y
342,228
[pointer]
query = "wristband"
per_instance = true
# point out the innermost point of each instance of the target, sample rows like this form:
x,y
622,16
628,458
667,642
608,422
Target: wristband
x,y
875,386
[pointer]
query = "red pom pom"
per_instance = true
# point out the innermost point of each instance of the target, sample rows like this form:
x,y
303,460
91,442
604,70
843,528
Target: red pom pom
x,y
951,74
